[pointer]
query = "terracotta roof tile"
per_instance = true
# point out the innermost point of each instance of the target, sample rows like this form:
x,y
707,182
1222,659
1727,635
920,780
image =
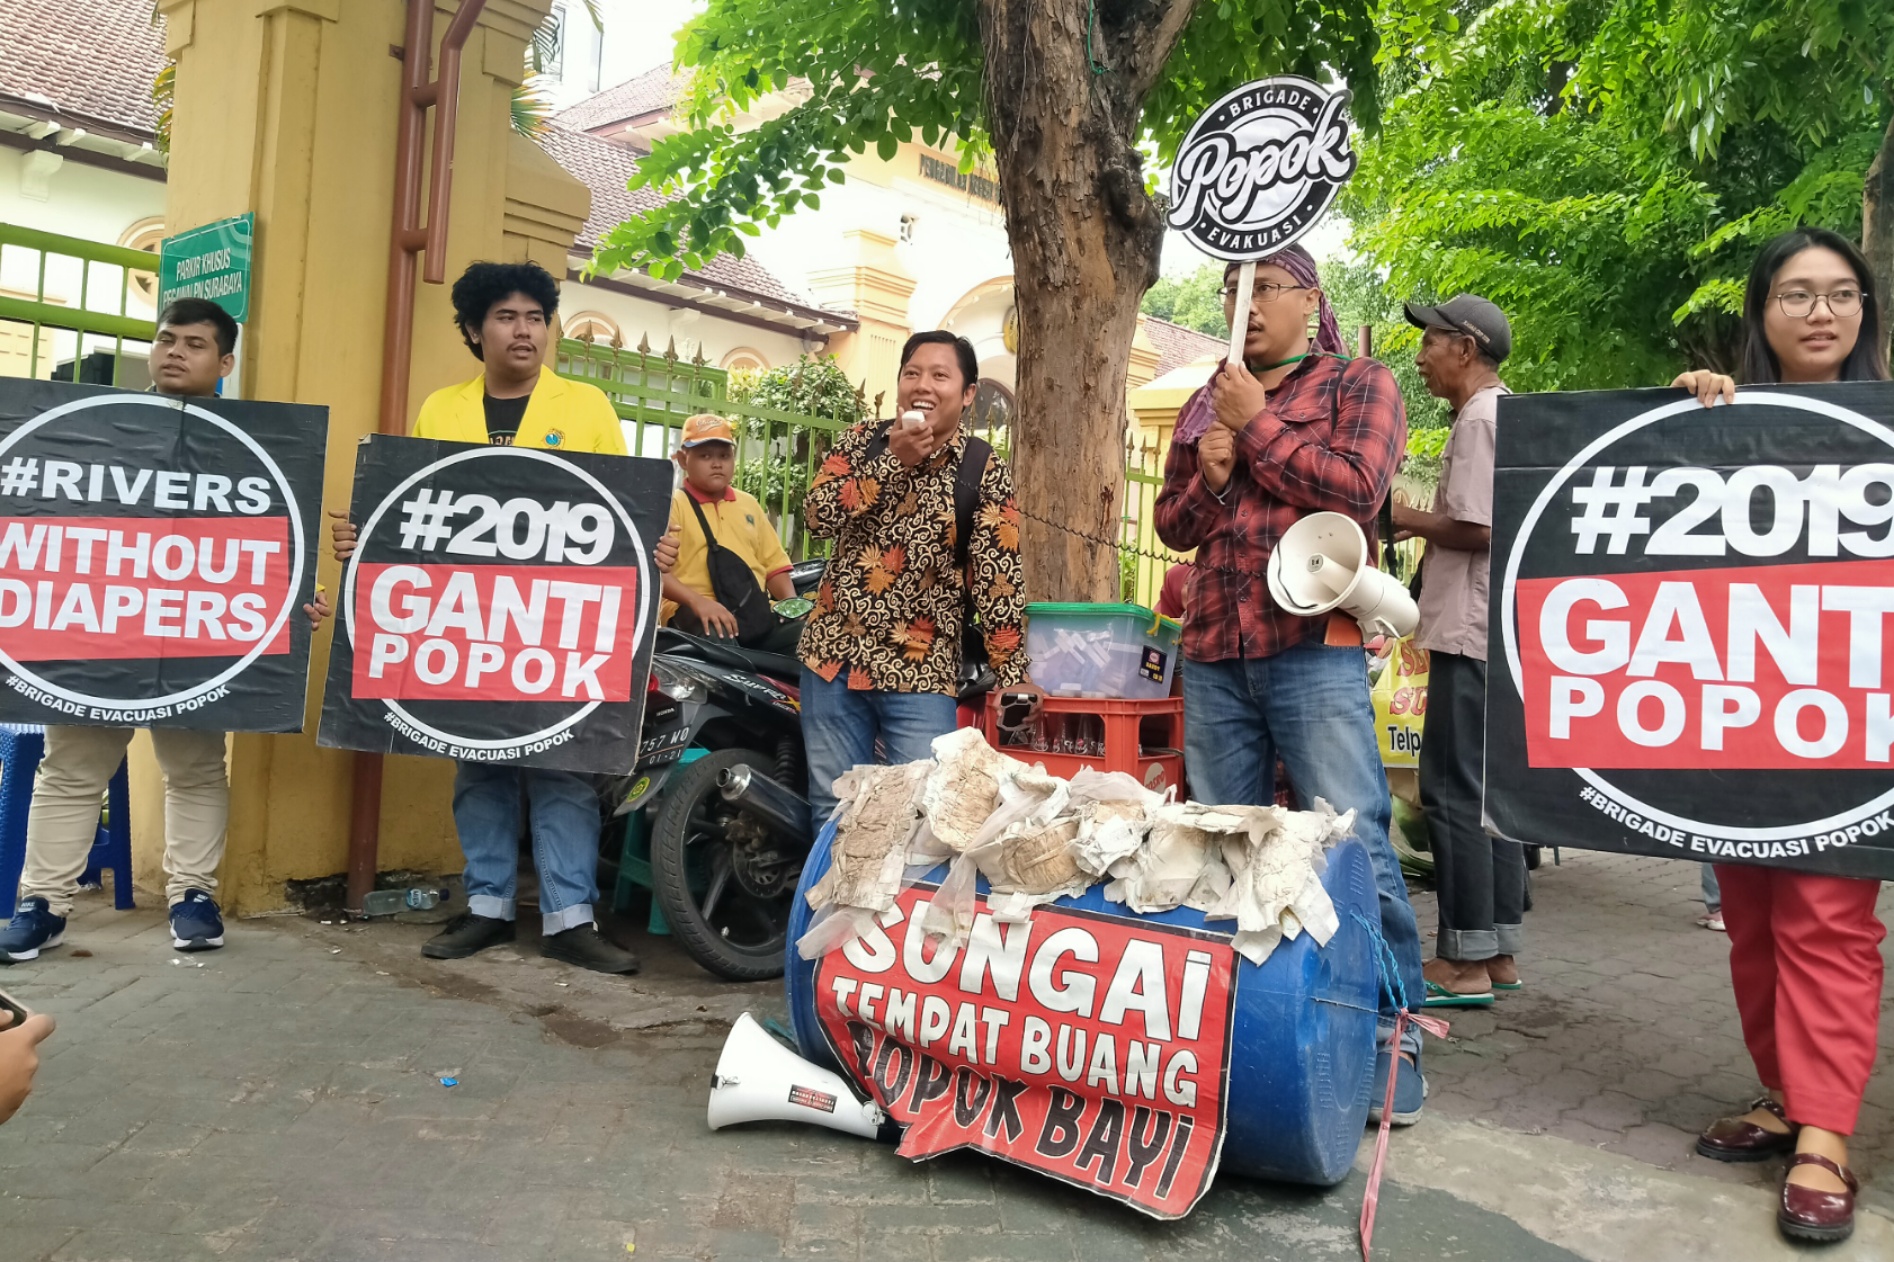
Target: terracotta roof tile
x,y
656,89
1178,346
92,60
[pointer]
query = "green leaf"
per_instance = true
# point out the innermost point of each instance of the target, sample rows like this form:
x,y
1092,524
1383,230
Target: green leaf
x,y
1611,208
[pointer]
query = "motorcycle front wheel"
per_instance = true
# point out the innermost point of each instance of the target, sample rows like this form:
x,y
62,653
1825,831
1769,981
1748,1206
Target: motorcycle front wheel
x,y
723,921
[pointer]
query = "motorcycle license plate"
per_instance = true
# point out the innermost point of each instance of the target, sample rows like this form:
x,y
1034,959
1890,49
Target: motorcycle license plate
x,y
670,742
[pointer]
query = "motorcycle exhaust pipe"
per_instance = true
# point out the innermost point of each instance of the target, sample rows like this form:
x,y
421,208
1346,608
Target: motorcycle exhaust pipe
x,y
751,791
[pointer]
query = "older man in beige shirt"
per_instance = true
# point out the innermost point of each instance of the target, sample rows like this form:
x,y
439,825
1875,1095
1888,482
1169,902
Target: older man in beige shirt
x,y
1481,879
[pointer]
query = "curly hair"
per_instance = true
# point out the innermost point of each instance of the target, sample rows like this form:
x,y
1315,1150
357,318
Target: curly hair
x,y
484,284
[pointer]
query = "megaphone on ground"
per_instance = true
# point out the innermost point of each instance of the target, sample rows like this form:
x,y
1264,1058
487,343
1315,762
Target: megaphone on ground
x,y
1322,563
760,1080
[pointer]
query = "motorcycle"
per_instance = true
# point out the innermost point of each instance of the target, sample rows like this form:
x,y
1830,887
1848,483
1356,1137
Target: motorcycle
x,y
717,789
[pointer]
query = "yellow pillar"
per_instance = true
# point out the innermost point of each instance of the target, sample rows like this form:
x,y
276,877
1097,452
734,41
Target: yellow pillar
x,y
287,108
876,287
1145,358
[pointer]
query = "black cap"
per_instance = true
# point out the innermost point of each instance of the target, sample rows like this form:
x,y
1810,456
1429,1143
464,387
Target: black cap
x,y
1471,316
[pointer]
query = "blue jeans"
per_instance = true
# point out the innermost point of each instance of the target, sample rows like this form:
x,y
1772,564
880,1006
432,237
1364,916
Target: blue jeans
x,y
1310,704
840,726
565,822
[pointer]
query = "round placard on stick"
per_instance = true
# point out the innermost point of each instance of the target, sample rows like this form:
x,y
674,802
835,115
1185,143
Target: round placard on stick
x,y
1257,170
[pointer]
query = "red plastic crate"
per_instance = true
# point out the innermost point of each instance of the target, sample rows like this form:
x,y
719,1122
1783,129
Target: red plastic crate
x,y
1157,771
1143,738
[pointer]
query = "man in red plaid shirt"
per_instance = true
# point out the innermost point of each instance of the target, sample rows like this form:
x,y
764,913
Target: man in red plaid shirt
x,y
1298,428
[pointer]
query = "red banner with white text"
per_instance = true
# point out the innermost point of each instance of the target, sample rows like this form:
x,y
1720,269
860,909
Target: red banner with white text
x,y
495,633
1091,1048
1766,666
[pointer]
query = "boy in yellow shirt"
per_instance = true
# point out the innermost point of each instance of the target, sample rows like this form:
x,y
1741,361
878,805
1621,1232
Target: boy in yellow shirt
x,y
730,564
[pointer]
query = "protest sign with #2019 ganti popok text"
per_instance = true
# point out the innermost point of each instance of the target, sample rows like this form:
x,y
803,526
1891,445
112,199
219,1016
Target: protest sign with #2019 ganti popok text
x,y
1691,609
499,606
155,553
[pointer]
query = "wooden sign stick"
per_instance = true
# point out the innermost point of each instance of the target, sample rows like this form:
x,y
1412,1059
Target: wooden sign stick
x,y
1240,313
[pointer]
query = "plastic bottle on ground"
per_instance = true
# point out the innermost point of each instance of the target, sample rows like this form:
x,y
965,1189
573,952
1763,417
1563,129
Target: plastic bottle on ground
x,y
388,902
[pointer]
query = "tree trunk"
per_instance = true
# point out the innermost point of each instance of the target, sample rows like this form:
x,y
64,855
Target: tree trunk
x,y
1085,240
1877,223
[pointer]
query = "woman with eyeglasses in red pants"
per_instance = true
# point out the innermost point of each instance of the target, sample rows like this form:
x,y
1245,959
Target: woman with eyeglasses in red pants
x,y
1805,956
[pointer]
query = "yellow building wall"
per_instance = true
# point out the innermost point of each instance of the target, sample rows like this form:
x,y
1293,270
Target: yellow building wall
x,y
873,283
287,108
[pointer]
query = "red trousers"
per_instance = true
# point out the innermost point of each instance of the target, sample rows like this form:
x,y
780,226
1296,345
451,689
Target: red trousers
x,y
1805,960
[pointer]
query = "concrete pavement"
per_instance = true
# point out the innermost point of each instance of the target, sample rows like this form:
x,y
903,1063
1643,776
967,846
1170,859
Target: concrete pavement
x,y
284,1101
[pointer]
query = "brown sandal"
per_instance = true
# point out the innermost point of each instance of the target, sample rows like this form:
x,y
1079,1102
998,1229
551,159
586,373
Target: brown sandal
x,y
1812,1214
1733,1139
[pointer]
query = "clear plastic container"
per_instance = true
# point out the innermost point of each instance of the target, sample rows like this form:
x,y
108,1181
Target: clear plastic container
x,y
1081,650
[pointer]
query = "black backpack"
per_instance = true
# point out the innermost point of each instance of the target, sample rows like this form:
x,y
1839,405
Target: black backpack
x,y
734,585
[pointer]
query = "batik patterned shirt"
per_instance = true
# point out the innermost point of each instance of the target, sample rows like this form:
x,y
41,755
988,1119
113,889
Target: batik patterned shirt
x,y
890,611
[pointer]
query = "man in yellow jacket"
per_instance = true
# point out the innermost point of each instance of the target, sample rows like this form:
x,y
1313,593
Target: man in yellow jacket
x,y
504,311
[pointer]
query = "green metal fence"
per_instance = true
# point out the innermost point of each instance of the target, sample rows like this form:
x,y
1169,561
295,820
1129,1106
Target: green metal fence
x,y
75,310
777,451
72,309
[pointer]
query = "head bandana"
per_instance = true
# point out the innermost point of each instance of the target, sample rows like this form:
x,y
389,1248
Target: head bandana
x,y
1294,260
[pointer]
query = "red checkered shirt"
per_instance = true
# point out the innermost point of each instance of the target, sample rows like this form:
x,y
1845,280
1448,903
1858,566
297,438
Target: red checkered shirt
x,y
1330,440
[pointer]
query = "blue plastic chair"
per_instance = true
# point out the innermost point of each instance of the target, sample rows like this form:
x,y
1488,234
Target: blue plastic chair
x,y
21,750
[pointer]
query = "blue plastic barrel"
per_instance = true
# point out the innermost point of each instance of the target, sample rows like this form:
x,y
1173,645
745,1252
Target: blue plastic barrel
x,y
1302,1039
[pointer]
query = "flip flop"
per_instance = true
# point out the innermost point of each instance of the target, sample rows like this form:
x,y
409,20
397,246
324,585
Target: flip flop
x,y
1509,985
1439,996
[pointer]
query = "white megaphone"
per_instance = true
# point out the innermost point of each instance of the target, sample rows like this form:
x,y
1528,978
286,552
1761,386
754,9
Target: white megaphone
x,y
760,1080
1322,563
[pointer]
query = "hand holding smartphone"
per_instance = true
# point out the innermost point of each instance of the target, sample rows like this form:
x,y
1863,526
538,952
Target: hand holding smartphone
x,y
12,1011
20,1036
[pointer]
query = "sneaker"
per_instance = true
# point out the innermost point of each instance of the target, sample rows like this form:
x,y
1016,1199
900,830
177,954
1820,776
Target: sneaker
x,y
586,947
1713,921
468,934
32,930
1410,1091
196,924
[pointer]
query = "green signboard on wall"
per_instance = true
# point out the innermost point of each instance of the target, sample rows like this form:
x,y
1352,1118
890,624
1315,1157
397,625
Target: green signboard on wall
x,y
209,262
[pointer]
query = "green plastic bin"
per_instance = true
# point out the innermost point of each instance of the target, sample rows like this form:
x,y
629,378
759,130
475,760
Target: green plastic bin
x,y
1081,650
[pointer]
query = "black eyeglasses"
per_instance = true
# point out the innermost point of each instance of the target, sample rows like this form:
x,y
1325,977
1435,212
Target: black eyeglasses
x,y
1267,291
1799,304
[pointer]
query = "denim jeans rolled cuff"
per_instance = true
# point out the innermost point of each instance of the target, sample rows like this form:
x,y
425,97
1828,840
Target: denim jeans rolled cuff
x,y
1511,939
552,922
493,907
1474,945
562,814
1410,1037
1310,704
